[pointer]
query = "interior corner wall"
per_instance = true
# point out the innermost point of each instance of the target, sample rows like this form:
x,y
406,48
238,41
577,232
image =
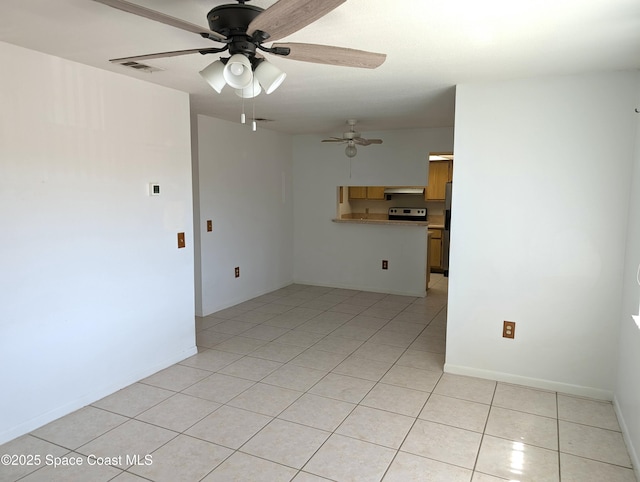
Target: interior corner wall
x,y
540,202
244,184
349,255
627,392
94,294
197,232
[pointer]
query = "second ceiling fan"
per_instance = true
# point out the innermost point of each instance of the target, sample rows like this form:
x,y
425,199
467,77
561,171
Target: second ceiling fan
x,y
243,31
351,138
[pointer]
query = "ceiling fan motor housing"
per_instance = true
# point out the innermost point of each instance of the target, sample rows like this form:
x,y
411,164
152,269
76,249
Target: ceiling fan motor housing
x,y
232,19
232,22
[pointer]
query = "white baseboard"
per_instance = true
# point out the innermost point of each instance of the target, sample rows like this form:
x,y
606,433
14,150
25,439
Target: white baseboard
x,y
357,287
228,303
567,388
633,451
61,411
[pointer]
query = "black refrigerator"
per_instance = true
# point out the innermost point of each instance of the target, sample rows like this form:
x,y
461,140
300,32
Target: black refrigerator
x,y
446,234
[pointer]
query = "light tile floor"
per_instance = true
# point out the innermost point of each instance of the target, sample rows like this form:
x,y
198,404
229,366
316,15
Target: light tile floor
x,y
314,384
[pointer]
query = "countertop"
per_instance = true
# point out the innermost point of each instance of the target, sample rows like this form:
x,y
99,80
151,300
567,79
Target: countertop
x,y
386,222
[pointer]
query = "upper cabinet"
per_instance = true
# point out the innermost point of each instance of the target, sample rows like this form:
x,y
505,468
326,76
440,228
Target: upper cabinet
x,y
375,192
357,192
366,192
440,172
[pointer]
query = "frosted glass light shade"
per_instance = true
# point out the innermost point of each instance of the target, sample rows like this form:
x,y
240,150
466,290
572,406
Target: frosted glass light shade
x,y
251,91
237,72
269,76
214,75
351,150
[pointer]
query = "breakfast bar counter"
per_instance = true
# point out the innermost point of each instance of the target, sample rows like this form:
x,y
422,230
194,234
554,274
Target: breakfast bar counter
x,y
381,222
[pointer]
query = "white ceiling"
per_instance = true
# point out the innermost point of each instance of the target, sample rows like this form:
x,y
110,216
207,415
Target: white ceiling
x,y
431,46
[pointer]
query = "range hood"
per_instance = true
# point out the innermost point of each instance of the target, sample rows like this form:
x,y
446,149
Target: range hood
x,y
416,191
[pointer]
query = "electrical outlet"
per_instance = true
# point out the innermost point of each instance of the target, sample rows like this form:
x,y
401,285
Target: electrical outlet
x,y
509,329
181,241
237,271
209,225
385,264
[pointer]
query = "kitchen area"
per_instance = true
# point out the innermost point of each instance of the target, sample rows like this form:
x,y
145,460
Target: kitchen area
x,y
420,206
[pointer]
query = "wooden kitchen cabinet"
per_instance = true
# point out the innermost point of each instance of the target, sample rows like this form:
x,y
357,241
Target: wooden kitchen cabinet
x,y
375,192
366,192
435,249
440,172
357,192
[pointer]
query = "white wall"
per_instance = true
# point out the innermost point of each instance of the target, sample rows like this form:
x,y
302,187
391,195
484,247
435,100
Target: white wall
x,y
244,187
94,293
350,255
540,209
627,396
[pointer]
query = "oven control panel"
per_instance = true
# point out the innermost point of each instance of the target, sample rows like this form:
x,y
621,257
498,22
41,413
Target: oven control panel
x,y
408,214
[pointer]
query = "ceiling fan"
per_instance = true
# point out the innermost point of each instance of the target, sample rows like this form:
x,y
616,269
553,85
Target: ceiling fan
x,y
352,137
243,30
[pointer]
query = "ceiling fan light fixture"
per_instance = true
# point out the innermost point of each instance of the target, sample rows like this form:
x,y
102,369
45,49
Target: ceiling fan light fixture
x,y
251,91
269,76
243,30
351,150
237,73
214,75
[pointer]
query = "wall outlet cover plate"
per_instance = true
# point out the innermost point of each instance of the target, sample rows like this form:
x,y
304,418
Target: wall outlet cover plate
x,y
509,329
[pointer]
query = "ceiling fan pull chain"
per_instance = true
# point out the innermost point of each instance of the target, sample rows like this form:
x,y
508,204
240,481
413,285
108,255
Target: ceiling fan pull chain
x,y
254,124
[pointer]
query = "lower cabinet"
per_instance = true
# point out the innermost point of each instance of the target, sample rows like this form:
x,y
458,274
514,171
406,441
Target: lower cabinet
x,y
435,249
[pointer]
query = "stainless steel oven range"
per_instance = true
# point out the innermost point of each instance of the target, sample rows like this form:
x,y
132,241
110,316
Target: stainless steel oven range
x,y
407,214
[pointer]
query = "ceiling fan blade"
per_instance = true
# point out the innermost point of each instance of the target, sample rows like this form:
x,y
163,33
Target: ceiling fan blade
x,y
326,54
366,142
160,55
288,16
162,18
335,139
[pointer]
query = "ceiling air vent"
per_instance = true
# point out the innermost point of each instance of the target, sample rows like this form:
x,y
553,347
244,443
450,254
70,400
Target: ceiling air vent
x,y
138,66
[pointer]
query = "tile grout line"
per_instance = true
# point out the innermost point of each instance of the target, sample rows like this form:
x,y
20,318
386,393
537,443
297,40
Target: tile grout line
x,y
484,429
404,439
558,429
